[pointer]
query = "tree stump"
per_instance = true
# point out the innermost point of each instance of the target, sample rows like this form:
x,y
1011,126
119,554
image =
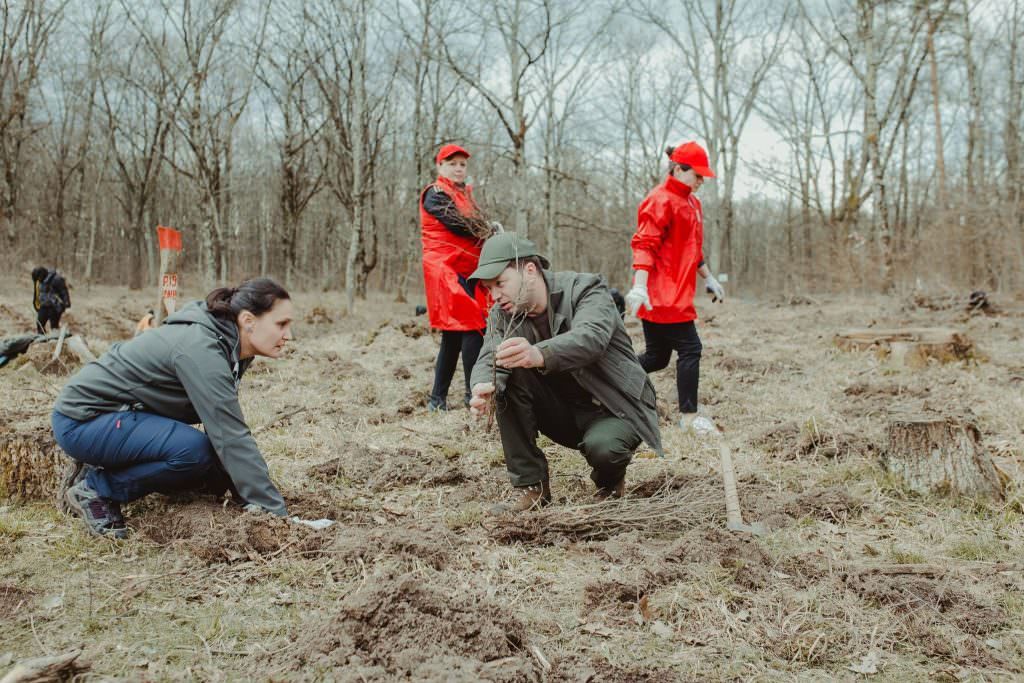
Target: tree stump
x,y
31,463
909,346
934,454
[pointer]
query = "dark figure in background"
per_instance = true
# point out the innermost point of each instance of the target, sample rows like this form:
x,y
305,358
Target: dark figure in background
x,y
50,297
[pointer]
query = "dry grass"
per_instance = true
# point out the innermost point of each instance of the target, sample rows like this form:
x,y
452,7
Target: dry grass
x,y
417,580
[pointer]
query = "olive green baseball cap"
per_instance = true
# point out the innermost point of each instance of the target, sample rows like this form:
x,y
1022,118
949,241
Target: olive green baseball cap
x,y
500,251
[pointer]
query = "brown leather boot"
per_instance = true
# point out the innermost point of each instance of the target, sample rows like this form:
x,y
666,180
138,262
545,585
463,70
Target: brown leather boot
x,y
530,498
614,492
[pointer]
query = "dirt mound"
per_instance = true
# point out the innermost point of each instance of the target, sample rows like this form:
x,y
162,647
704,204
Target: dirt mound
x,y
404,628
13,600
598,670
318,315
427,545
414,329
382,469
616,596
793,441
829,504
215,534
664,482
740,554
930,598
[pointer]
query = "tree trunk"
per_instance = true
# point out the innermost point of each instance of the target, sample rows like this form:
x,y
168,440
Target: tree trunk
x,y
933,454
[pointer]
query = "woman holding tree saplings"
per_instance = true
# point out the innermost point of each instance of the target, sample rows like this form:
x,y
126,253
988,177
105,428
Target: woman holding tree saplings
x,y
453,233
125,419
668,254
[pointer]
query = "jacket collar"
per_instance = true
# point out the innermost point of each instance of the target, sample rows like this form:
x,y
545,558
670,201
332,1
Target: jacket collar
x,y
450,186
556,296
676,186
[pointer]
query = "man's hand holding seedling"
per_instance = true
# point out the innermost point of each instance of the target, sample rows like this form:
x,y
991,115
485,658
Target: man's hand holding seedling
x,y
517,352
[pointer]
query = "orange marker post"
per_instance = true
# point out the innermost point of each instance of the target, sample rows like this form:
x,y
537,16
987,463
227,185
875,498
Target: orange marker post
x,y
170,250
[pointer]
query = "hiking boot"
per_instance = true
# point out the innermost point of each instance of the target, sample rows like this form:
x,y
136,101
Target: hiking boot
x,y
101,516
74,473
604,493
530,498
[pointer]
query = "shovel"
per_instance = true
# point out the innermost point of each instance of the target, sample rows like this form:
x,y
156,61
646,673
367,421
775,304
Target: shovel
x,y
733,516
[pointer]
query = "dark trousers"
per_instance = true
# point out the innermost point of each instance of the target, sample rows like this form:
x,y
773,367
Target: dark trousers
x,y
664,338
468,344
133,454
48,314
529,407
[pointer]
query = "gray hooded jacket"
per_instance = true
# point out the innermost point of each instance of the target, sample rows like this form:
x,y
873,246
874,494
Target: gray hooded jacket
x,y
188,370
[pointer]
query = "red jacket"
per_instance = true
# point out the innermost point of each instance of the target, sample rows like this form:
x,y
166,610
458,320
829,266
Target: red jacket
x,y
448,259
669,244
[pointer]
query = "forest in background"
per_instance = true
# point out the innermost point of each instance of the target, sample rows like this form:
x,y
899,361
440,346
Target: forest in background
x,y
292,137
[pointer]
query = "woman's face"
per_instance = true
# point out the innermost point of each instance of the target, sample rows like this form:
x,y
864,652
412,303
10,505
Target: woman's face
x,y
267,334
453,168
689,177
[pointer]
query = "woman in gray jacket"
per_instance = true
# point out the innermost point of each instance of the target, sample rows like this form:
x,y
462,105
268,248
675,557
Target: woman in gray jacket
x,y
126,418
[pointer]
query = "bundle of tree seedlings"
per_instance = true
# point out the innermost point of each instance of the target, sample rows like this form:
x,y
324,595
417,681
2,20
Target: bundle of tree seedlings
x,y
670,510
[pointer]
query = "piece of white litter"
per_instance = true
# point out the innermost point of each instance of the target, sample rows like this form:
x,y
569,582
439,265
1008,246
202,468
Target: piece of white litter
x,y
318,524
868,665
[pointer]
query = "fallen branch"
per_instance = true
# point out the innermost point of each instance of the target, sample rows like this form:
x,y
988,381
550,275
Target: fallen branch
x,y
63,667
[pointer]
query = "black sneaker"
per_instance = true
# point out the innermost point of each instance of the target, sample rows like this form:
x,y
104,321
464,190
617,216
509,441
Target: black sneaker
x,y
437,405
101,516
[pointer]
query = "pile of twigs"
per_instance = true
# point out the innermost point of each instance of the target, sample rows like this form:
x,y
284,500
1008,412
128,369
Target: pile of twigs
x,y
669,511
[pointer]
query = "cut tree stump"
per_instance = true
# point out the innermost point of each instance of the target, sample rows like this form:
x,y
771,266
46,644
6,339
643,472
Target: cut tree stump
x,y
936,454
909,346
65,667
31,463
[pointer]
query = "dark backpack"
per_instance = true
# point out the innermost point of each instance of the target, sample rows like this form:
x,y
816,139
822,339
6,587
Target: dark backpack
x,y
50,291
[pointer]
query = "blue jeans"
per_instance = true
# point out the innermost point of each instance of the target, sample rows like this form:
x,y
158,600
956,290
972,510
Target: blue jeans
x,y
134,454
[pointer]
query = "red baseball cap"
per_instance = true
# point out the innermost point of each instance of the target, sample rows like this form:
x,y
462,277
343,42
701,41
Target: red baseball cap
x,y
694,156
450,151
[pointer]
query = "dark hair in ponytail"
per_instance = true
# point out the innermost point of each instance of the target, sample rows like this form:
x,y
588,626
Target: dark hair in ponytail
x,y
257,296
672,165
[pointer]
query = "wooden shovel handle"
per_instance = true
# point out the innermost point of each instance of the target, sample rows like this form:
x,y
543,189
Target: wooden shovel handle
x,y
732,498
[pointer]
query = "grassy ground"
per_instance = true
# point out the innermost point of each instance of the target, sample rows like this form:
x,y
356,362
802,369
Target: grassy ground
x,y
417,581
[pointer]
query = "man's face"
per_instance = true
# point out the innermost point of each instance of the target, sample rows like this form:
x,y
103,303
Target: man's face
x,y
453,168
513,289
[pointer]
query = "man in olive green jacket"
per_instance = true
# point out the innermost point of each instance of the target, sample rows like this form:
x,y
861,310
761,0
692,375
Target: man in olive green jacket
x,y
557,360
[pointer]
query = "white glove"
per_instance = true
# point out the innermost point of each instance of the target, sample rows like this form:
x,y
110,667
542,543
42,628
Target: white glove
x,y
713,288
498,227
636,298
318,524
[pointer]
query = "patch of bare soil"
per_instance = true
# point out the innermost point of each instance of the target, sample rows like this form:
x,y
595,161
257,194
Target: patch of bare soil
x,y
13,600
932,598
792,441
217,534
382,469
414,329
429,545
866,390
741,554
830,504
598,670
942,619
404,628
664,482
616,597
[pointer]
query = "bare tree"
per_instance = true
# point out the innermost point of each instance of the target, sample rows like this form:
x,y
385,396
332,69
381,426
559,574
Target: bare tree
x,y
26,29
744,40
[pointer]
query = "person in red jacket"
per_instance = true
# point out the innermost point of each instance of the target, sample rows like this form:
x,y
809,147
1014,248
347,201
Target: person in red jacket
x,y
453,233
667,257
